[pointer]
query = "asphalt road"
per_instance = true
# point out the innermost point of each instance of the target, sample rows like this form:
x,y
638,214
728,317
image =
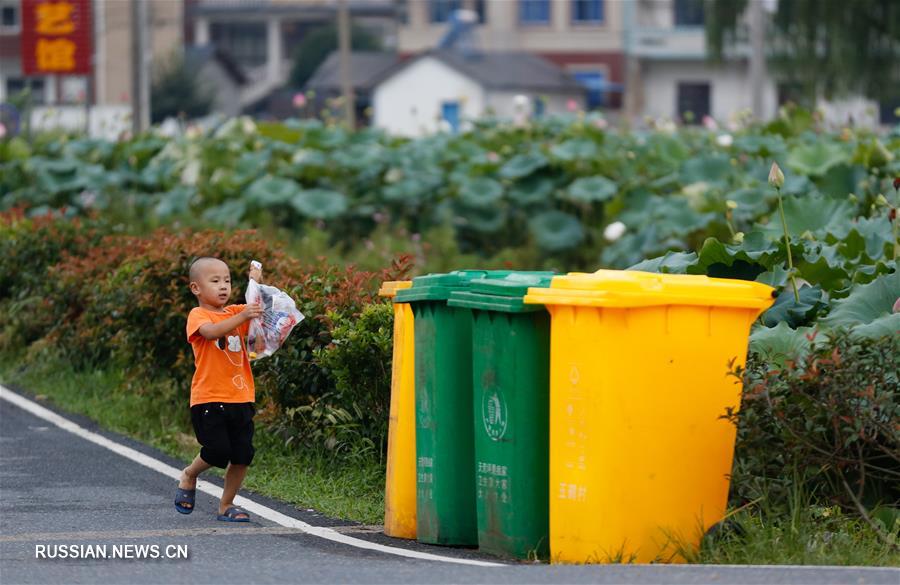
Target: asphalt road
x,y
57,488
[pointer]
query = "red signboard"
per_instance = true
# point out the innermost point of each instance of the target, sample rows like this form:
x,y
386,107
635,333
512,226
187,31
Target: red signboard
x,y
56,37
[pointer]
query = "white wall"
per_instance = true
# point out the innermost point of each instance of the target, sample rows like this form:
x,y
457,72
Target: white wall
x,y
409,103
862,111
730,92
107,122
503,103
730,89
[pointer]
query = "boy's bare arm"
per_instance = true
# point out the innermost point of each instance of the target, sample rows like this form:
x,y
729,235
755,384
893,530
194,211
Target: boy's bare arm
x,y
217,330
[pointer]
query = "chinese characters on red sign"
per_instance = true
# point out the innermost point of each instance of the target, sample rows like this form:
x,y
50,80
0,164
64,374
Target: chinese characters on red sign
x,y
56,37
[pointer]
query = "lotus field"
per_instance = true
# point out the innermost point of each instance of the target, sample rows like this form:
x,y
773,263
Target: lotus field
x,y
564,193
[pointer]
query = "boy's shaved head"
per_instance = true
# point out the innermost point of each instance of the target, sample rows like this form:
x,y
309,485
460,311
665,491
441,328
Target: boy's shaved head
x,y
200,265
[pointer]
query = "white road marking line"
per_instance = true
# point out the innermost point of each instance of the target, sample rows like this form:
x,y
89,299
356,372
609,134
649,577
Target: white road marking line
x,y
215,491
162,533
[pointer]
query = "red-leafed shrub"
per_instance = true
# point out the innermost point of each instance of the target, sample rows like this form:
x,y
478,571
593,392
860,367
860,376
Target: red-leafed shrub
x,y
124,300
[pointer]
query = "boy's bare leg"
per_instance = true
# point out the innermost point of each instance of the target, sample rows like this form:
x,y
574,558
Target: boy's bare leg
x,y
234,477
189,475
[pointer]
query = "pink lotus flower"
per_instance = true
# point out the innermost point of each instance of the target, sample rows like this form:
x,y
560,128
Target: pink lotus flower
x,y
572,105
710,123
2,130
299,100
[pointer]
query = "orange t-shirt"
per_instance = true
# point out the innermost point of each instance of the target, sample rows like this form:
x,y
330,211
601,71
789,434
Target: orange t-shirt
x,y
222,366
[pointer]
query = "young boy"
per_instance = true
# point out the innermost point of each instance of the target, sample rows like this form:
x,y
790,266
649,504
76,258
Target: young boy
x,y
222,390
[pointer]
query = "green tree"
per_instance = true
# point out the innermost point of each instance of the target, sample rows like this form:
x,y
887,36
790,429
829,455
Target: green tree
x,y
176,91
824,47
319,43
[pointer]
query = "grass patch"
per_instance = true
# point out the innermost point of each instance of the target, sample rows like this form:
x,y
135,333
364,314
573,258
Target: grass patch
x,y
806,534
149,412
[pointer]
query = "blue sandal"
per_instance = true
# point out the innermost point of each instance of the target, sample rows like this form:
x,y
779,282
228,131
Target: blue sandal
x,y
232,513
182,497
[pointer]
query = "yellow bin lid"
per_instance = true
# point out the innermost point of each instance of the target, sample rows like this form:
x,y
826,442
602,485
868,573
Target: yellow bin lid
x,y
627,288
389,288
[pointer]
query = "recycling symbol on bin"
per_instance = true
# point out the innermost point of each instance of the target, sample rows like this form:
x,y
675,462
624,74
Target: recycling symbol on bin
x,y
494,414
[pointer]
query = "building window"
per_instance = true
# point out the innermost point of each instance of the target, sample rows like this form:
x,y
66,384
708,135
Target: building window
x,y
9,16
693,102
689,13
791,92
480,10
450,114
442,9
534,11
244,41
889,112
593,82
587,11
16,85
403,11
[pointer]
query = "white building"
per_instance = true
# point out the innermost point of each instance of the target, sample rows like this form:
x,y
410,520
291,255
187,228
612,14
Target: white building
x,y
668,71
444,89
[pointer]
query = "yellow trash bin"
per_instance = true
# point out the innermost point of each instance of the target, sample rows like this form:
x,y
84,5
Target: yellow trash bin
x,y
400,484
640,456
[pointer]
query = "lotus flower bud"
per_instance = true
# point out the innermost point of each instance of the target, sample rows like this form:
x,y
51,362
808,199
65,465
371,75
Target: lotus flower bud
x,y
776,177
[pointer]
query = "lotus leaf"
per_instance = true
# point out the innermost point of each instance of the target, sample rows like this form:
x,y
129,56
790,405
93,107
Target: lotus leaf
x,y
556,231
787,309
523,165
815,159
320,203
840,180
480,192
486,220
817,214
575,149
591,190
866,302
884,326
228,214
751,203
873,237
304,158
175,202
413,189
706,169
670,263
767,146
745,261
267,191
533,190
781,344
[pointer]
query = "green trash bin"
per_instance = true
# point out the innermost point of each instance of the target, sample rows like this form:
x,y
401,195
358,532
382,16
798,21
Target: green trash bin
x,y
445,478
511,379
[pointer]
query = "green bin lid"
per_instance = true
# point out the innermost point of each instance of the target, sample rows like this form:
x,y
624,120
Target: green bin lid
x,y
501,294
437,287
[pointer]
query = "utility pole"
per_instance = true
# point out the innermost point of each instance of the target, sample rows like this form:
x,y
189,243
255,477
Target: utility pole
x,y
140,79
344,59
757,56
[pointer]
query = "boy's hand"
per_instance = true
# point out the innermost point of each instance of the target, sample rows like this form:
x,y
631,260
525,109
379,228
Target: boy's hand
x,y
252,311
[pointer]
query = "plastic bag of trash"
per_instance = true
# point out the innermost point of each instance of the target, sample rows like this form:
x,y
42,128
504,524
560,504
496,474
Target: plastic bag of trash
x,y
280,316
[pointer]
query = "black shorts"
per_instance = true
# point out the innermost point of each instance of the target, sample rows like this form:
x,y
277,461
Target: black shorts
x,y
225,432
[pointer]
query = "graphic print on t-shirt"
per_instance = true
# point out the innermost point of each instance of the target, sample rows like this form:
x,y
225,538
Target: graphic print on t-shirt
x,y
232,345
